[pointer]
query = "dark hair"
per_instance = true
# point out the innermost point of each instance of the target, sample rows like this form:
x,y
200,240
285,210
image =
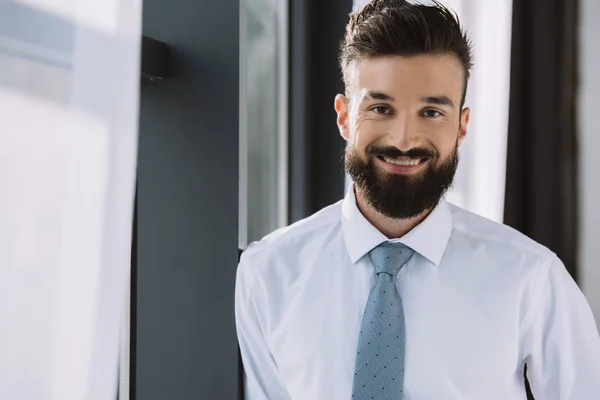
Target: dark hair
x,y
399,28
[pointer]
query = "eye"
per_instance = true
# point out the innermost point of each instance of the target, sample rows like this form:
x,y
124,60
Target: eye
x,y
431,113
381,110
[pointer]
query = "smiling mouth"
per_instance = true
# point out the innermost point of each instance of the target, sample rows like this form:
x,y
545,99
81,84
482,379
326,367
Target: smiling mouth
x,y
404,161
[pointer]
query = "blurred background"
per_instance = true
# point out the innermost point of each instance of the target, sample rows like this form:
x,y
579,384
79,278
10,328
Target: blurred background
x,y
127,192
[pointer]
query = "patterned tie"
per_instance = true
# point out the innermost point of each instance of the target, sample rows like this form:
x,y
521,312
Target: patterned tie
x,y
379,368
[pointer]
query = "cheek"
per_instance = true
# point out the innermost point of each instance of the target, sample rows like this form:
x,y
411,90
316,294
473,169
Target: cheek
x,y
367,131
442,135
446,149
358,133
441,128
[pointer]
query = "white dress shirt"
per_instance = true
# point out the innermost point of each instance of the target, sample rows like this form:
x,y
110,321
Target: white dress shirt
x,y
480,301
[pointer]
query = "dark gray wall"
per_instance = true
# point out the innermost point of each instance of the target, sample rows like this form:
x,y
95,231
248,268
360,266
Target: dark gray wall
x,y
188,206
316,177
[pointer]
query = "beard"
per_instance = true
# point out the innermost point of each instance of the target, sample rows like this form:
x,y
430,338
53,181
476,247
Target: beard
x,y
400,196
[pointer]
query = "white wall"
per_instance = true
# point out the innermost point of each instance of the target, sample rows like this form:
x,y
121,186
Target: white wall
x,y
589,145
480,179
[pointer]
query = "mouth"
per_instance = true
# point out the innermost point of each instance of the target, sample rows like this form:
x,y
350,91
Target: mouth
x,y
406,161
402,164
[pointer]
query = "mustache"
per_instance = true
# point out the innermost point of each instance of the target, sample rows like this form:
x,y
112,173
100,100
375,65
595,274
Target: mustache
x,y
392,152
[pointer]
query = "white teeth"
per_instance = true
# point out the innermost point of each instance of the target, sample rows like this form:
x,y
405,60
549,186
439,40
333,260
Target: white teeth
x,y
402,162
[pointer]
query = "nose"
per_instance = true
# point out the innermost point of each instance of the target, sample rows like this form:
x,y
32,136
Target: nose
x,y
403,133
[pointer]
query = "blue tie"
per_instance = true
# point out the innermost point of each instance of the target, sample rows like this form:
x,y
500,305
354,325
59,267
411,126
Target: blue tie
x,y
379,367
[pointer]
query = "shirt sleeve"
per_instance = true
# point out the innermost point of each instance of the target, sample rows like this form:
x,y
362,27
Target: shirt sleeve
x,y
262,380
561,344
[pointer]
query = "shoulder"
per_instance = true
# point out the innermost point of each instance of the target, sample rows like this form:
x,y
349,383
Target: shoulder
x,y
512,255
279,247
483,231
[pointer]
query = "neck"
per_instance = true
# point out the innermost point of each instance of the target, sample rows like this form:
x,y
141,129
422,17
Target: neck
x,y
390,227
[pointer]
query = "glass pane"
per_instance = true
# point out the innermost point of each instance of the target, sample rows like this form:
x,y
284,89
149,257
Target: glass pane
x,y
263,118
69,73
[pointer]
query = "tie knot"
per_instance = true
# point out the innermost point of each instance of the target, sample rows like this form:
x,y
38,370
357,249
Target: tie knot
x,y
390,257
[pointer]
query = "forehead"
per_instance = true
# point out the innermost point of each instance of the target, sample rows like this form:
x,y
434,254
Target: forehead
x,y
418,76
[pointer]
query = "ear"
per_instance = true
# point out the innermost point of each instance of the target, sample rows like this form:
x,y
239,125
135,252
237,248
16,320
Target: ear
x,y
464,121
341,108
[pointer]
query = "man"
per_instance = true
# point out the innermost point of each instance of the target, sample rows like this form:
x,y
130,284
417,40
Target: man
x,y
393,293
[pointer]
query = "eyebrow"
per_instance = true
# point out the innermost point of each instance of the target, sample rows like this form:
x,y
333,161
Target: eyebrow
x,y
372,95
438,100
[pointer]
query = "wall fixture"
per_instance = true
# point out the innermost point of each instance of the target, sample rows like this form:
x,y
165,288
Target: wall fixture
x,y
155,60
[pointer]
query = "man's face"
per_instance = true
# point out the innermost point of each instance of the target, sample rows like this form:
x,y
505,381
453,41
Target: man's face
x,y
403,126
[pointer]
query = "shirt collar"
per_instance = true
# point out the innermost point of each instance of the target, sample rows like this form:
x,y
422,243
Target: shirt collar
x,y
429,238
